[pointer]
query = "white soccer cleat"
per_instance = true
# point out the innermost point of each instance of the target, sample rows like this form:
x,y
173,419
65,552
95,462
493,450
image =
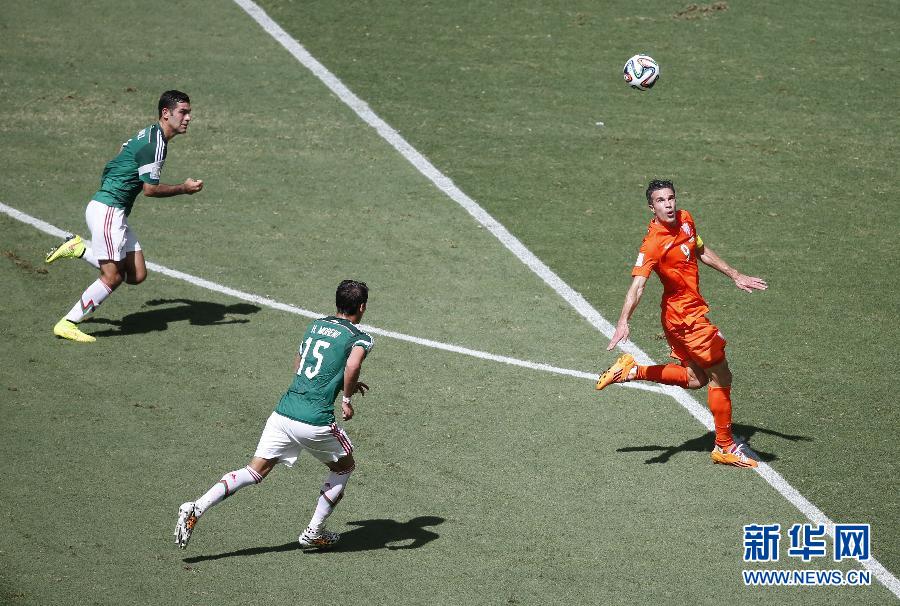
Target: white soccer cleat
x,y
321,538
187,519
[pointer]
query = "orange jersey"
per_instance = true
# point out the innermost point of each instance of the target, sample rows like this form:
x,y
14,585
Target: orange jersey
x,y
672,254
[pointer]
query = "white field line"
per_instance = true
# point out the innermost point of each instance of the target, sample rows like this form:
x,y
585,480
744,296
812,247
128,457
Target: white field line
x,y
273,304
446,185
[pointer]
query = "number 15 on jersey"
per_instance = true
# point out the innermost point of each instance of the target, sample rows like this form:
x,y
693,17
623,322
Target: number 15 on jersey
x,y
315,364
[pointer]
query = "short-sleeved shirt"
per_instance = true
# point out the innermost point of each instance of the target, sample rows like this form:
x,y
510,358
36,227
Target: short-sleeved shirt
x,y
672,254
324,350
140,161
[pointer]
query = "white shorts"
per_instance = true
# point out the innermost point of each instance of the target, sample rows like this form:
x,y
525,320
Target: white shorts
x,y
284,439
111,238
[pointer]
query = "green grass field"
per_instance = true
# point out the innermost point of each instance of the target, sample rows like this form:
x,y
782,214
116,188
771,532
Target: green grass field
x,y
478,482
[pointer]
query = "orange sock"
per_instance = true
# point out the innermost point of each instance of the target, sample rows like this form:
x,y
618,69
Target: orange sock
x,y
670,374
719,399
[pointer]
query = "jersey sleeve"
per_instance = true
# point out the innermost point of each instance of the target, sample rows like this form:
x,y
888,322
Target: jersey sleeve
x,y
365,341
647,259
149,157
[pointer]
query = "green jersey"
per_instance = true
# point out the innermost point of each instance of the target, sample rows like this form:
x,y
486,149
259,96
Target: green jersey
x,y
324,350
140,161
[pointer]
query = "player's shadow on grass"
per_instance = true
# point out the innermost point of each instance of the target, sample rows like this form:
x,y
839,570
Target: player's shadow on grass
x,y
369,535
197,313
706,442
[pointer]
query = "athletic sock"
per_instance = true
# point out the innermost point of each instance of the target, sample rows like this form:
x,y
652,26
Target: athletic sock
x,y
230,483
669,374
719,399
331,494
89,258
90,300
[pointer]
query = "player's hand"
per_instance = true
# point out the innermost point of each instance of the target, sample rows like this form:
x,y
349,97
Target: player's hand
x,y
749,283
621,334
361,388
192,186
346,411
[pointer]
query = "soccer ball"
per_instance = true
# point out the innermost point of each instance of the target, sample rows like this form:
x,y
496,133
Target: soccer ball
x,y
641,72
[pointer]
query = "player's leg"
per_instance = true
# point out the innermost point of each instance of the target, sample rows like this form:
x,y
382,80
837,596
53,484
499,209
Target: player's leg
x,y
189,513
726,451
684,374
108,231
72,247
91,298
335,450
719,399
231,482
135,266
275,445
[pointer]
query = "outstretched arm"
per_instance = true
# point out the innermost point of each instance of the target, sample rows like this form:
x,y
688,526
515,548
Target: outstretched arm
x,y
746,283
162,190
632,298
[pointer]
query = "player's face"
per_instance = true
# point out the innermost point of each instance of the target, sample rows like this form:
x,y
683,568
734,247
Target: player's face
x,y
662,203
178,118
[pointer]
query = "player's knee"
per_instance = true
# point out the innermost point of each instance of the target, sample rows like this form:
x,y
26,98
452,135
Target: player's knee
x,y
344,465
112,279
723,379
136,277
696,380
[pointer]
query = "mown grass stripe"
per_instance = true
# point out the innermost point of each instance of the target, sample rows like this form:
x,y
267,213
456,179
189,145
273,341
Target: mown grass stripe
x,y
575,299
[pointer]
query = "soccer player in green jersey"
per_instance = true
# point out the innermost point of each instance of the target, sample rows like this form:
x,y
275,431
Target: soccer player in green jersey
x,y
329,359
115,250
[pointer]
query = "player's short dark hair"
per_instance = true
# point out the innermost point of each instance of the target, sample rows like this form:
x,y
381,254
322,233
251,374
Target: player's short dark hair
x,y
350,296
170,100
659,184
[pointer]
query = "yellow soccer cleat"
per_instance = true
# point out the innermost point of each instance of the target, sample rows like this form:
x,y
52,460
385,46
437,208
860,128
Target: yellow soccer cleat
x,y
69,330
732,455
71,248
618,372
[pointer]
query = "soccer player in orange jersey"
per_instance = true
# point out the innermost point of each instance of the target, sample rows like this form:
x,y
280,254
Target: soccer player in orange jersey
x,y
671,249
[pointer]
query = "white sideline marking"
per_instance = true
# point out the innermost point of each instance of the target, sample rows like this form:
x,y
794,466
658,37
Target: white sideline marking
x,y
273,304
446,185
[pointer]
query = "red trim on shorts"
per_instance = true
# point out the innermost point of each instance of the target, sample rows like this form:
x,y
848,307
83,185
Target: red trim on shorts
x,y
107,235
341,438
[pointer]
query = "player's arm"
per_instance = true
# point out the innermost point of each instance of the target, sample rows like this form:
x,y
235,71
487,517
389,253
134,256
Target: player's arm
x,y
298,359
149,168
164,190
352,384
632,298
746,283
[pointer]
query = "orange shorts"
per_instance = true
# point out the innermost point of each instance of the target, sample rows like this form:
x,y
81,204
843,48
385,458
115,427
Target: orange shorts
x,y
701,343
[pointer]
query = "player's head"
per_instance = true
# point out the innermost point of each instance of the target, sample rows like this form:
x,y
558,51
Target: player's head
x,y
661,200
174,112
170,100
657,184
351,297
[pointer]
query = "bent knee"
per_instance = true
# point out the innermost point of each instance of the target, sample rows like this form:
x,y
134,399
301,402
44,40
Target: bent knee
x,y
136,277
696,380
112,281
344,464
